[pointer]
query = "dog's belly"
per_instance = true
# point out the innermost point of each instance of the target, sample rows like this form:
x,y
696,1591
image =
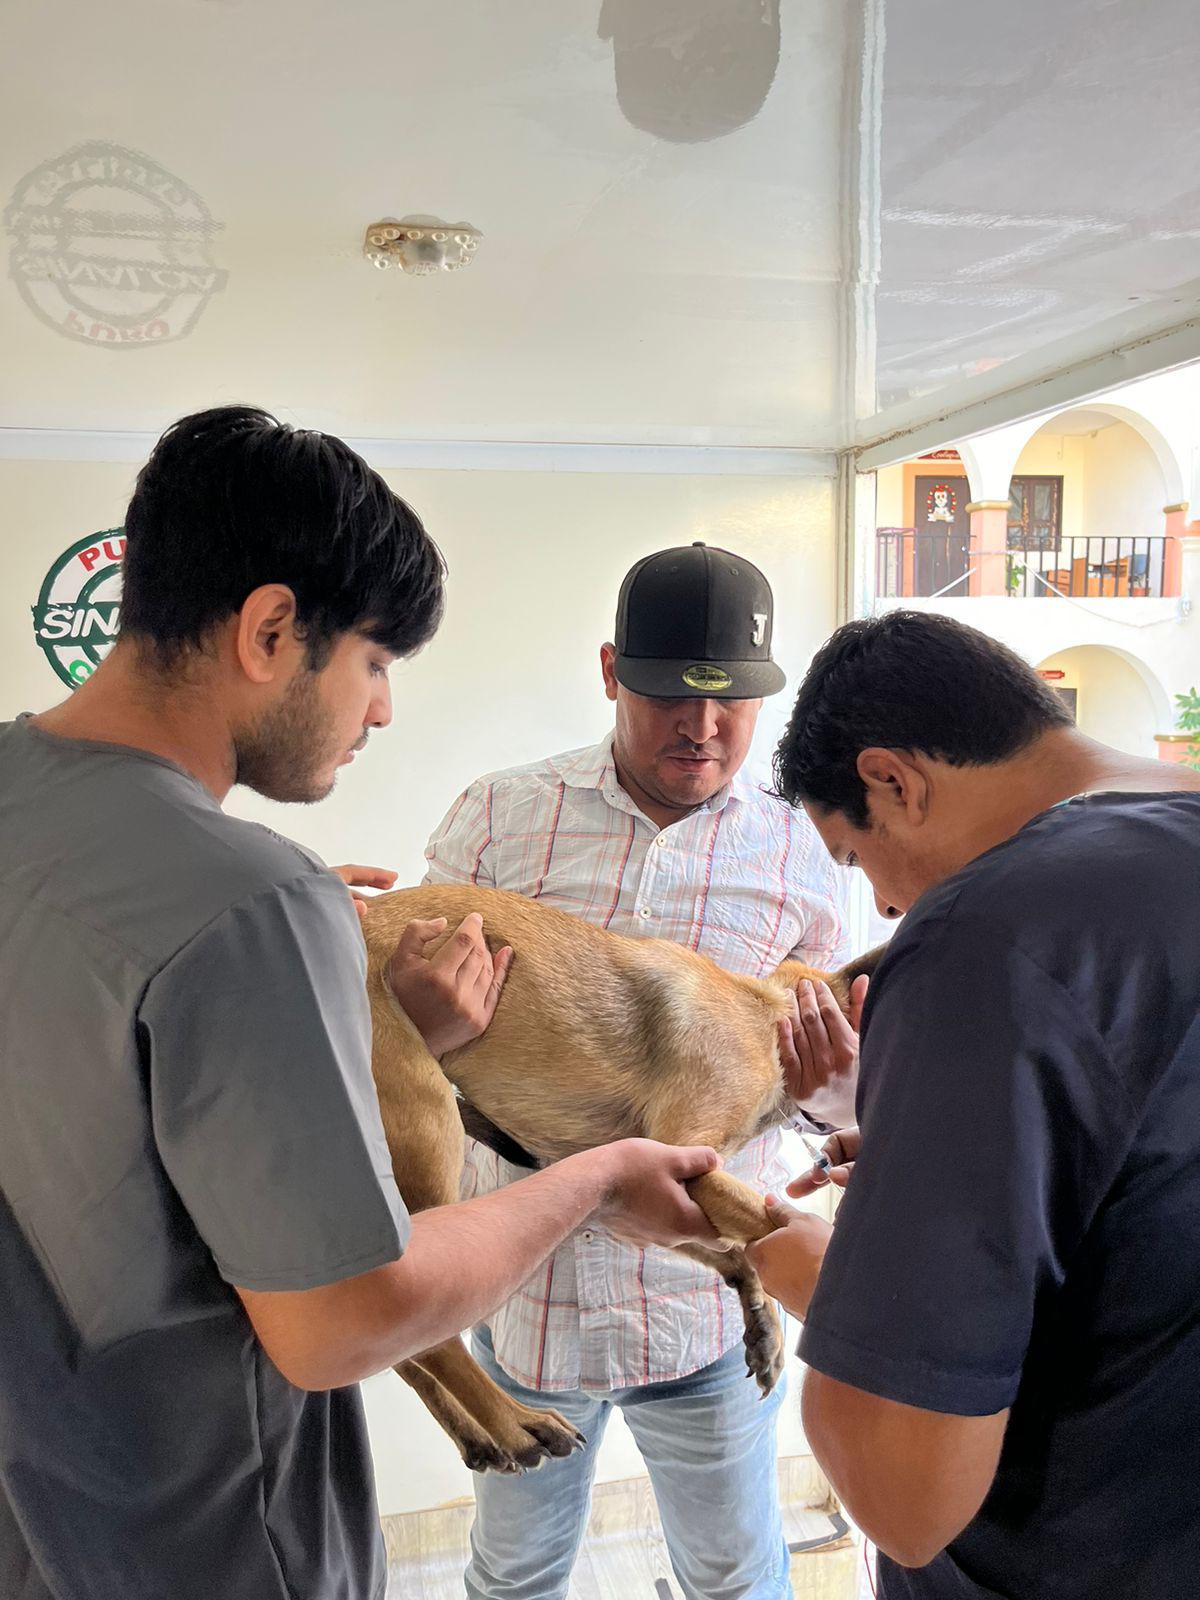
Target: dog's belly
x,y
550,1114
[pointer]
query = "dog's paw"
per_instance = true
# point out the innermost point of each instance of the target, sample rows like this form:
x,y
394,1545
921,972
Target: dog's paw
x,y
485,1455
553,1433
764,1345
544,1436
538,1437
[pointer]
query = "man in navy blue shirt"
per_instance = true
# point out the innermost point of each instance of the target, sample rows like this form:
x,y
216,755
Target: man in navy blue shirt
x,y
1004,1341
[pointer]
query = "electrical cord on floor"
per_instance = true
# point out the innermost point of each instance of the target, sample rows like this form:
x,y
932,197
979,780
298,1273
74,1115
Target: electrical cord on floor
x,y
867,1564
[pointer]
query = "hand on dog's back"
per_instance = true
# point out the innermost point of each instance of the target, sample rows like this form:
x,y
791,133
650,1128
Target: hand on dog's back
x,y
448,984
648,1203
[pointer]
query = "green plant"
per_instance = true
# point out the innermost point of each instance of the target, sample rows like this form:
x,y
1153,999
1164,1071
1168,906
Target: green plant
x,y
1014,575
1187,720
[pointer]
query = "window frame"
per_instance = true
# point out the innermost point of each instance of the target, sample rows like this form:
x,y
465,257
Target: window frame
x,y
1024,543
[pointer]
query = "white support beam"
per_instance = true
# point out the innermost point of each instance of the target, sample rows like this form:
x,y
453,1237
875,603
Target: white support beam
x,y
464,455
1059,375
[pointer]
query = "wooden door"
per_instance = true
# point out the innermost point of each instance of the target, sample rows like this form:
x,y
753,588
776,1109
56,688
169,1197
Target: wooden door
x,y
943,529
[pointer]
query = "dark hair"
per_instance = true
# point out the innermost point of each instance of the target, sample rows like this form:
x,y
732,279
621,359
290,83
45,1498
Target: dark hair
x,y
912,681
231,499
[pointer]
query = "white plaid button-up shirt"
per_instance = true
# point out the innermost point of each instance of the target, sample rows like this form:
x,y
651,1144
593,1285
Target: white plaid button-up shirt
x,y
743,879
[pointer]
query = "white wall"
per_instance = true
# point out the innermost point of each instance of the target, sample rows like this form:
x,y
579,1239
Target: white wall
x,y
1123,490
535,563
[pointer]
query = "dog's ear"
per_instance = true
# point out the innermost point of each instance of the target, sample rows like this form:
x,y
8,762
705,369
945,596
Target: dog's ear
x,y
861,966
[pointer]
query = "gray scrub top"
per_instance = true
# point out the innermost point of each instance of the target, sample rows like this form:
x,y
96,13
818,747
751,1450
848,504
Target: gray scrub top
x,y
186,1103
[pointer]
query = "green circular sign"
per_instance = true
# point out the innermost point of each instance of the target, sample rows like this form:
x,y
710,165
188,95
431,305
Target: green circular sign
x,y
75,618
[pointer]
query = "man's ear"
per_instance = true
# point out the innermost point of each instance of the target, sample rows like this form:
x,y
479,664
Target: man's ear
x,y
608,656
894,782
265,638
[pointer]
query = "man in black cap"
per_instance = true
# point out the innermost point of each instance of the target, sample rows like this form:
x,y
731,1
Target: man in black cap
x,y
655,833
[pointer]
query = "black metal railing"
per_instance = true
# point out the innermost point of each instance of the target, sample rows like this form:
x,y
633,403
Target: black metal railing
x,y
908,562
914,562
1107,568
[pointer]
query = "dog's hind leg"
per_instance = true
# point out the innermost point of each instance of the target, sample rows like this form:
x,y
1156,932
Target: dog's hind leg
x,y
763,1336
418,1109
425,1141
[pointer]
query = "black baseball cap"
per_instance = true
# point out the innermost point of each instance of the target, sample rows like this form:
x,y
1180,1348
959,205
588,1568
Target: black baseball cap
x,y
695,623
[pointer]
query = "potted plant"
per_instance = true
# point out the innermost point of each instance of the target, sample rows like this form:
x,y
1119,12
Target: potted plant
x,y
1183,746
1014,576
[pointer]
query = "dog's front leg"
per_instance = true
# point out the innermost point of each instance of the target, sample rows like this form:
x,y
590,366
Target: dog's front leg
x,y
736,1211
501,1434
763,1335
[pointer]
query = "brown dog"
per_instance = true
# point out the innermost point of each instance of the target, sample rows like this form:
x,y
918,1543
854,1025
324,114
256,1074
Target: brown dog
x,y
597,1037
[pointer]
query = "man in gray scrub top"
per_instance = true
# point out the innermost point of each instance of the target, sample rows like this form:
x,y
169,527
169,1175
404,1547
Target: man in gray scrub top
x,y
202,1248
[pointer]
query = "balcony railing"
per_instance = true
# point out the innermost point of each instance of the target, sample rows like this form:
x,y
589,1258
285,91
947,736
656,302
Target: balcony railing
x,y
912,562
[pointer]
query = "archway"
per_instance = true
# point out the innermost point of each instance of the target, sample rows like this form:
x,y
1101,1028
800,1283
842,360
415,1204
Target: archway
x,y
990,459
1086,505
1116,698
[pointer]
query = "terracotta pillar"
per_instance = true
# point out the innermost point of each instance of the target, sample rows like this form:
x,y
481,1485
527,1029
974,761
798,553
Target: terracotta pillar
x,y
1176,528
989,542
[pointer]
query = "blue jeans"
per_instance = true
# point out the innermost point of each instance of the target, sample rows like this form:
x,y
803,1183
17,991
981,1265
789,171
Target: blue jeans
x,y
708,1442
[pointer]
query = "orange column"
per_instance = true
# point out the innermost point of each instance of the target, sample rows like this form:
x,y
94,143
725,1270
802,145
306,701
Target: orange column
x,y
989,538
1176,530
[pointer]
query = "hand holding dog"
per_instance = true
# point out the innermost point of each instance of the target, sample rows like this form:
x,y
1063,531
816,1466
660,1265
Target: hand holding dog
x,y
789,1260
647,1202
819,1051
450,996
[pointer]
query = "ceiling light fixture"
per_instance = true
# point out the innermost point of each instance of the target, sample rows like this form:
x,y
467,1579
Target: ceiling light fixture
x,y
421,245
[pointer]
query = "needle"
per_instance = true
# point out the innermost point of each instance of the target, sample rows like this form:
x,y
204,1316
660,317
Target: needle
x,y
820,1161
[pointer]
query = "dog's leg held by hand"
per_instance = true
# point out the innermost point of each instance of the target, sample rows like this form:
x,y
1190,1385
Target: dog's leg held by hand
x,y
736,1211
739,1213
763,1336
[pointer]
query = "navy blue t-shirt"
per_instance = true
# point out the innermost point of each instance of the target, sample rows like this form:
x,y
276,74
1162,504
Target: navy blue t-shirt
x,y
1023,1226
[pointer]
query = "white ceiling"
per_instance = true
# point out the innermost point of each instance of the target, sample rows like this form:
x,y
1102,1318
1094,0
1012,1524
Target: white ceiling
x,y
686,242
1040,173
